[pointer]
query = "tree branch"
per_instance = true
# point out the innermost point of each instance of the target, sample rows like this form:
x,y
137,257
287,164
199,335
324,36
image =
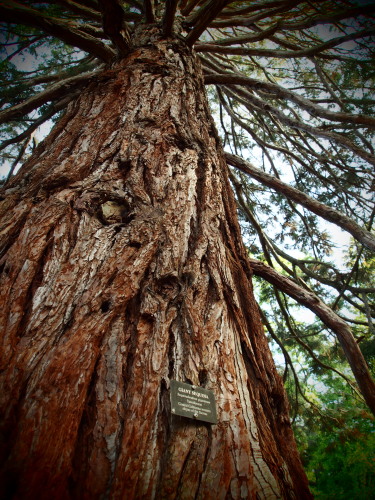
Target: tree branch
x,y
201,19
114,25
187,6
284,54
19,157
331,320
257,7
251,100
13,85
69,32
277,91
52,92
307,22
148,7
318,208
169,16
80,9
52,110
260,14
289,320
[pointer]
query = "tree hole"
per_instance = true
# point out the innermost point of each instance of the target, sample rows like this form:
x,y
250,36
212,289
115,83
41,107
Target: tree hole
x,y
105,307
134,244
203,376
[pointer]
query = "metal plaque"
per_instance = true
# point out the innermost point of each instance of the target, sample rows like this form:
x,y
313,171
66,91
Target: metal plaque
x,y
193,401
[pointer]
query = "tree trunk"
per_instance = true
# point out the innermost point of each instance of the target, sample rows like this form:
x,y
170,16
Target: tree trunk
x,y
122,269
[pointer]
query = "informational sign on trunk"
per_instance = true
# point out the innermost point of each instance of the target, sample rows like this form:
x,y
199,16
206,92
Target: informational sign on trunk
x,y
193,402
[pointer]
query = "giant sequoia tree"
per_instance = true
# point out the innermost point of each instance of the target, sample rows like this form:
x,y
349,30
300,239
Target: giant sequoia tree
x,y
123,264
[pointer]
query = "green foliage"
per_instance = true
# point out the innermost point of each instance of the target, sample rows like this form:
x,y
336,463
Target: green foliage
x,y
342,466
337,447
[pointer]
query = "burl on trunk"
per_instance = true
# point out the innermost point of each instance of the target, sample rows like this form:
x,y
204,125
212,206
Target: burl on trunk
x,y
123,269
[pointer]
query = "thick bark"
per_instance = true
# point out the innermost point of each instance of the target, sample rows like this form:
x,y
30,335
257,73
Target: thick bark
x,y
123,268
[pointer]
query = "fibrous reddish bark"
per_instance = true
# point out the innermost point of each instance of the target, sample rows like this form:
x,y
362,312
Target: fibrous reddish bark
x,y
123,268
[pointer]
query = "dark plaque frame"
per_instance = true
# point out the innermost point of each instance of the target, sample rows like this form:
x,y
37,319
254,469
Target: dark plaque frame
x,y
193,402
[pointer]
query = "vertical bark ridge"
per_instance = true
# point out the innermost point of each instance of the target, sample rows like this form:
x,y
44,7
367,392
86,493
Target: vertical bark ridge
x,y
144,279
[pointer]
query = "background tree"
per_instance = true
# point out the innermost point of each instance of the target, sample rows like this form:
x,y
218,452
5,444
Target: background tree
x,y
337,442
290,87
